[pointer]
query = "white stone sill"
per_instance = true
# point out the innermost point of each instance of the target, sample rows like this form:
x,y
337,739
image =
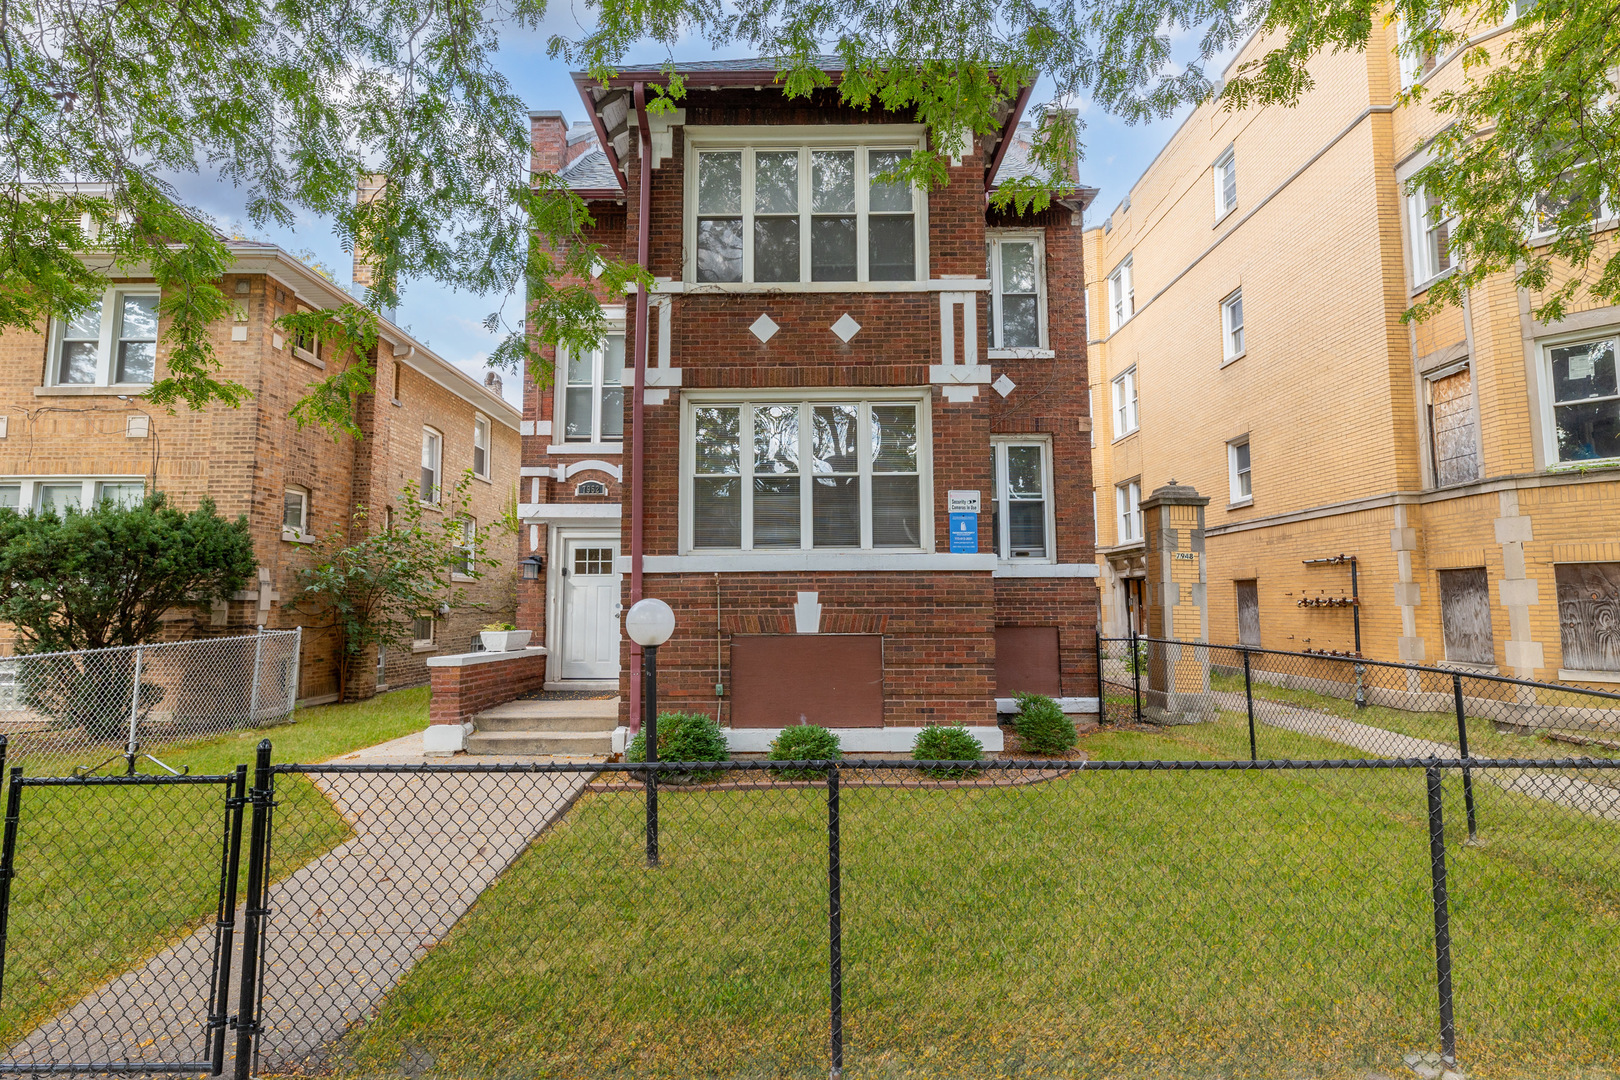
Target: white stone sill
x,y
294,536
1572,675
94,390
473,659
1045,570
930,285
1022,354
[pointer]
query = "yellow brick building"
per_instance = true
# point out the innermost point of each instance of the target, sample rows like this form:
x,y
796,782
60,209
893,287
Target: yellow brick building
x,y
1245,305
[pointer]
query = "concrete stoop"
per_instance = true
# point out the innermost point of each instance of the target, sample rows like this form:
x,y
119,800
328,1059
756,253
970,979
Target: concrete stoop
x,y
546,728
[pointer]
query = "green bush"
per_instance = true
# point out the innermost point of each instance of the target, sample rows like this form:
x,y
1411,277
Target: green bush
x,y
805,742
946,742
682,736
1042,726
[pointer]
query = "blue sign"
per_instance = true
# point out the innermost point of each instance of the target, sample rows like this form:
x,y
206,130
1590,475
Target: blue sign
x,y
964,534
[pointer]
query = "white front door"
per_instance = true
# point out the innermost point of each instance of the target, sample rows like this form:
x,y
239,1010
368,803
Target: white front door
x,y
590,603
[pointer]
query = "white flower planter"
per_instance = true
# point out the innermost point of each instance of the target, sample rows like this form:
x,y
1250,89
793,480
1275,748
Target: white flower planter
x,y
505,640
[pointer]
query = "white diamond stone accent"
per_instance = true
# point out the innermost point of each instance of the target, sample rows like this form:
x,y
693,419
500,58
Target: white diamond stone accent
x,y
764,328
846,327
1003,386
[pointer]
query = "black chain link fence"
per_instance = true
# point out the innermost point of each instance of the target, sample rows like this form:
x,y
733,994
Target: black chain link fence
x,y
1167,908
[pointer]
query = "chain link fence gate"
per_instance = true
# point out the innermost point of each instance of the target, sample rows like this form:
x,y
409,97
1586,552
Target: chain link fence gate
x,y
94,872
89,708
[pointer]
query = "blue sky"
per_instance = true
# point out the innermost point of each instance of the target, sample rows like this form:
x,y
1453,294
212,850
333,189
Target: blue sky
x,y
451,322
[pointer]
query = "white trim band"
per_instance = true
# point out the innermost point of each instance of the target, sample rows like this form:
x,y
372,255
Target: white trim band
x,y
1067,704
1046,570
540,513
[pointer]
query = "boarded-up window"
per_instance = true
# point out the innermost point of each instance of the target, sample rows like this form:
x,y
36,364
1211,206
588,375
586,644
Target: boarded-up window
x,y
1248,612
1453,447
1589,615
1465,616
1027,661
835,680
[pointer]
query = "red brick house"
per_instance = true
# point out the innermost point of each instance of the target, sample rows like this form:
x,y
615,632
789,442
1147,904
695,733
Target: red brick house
x,y
846,436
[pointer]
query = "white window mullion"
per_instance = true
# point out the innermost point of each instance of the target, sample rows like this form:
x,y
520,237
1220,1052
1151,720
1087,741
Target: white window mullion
x,y
863,203
109,337
598,360
1003,504
806,213
745,469
863,467
995,292
807,476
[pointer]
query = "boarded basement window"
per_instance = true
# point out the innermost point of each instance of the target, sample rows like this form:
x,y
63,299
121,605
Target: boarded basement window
x,y
1248,612
1589,615
1453,446
1465,616
1027,661
835,680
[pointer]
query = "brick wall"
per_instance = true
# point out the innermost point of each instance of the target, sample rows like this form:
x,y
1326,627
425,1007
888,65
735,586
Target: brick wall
x,y
461,692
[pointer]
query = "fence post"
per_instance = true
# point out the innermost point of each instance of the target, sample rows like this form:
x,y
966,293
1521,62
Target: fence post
x,y
297,669
8,860
246,1022
134,710
1136,674
253,697
1442,916
835,929
1102,713
1248,694
225,923
1462,745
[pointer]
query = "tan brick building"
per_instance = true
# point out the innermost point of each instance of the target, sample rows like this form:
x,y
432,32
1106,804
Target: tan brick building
x,y
829,371
73,428
1248,341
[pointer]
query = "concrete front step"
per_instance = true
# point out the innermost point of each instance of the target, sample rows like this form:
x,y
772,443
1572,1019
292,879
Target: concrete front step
x,y
540,743
514,716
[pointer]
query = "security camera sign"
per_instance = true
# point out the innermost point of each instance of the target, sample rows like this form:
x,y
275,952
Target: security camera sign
x,y
964,512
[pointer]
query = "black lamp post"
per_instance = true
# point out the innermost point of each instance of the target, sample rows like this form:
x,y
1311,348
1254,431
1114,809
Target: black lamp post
x,y
650,623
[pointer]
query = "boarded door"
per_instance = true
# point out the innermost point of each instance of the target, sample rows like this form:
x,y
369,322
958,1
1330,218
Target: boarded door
x,y
1248,612
835,680
1465,616
1027,661
1454,447
1589,615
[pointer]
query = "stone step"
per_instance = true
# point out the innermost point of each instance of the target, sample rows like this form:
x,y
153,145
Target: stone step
x,y
540,743
594,715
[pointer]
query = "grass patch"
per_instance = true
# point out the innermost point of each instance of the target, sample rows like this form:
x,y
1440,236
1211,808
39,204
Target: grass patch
x,y
1122,924
106,877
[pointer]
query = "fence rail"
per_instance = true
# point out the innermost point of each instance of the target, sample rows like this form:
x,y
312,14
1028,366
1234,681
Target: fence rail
x,y
97,705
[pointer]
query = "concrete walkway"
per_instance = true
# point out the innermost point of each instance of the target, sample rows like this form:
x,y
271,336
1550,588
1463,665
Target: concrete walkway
x,y
1599,800
343,929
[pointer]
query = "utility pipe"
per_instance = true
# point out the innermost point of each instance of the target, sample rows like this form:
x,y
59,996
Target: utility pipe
x,y
638,391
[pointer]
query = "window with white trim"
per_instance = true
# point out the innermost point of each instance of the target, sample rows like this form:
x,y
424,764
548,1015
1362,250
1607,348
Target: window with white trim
x,y
1517,10
780,212
1431,236
480,453
591,404
1021,515
295,511
1414,63
1226,182
822,473
467,554
1232,326
111,343
422,631
1128,511
1237,470
1121,296
1125,403
1584,399
432,465
62,493
1017,270
1591,203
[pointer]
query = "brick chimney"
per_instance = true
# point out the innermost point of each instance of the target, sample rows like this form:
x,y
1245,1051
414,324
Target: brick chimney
x,y
548,141
366,190
492,383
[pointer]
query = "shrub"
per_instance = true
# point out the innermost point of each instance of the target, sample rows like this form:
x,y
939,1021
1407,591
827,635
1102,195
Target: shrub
x,y
682,736
942,742
805,742
1042,726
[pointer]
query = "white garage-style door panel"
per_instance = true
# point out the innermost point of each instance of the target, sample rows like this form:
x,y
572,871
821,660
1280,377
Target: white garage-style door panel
x,y
590,646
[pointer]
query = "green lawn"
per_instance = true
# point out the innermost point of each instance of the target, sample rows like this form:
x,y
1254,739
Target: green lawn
x,y
1109,924
108,876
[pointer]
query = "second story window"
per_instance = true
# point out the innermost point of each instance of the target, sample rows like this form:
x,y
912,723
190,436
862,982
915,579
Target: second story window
x,y
783,213
1125,403
1226,183
1121,296
1232,326
295,512
1128,511
480,460
592,399
1431,237
1585,400
1237,470
432,464
112,343
1017,296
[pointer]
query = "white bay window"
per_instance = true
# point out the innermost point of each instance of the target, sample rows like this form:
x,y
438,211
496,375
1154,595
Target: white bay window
x,y
818,473
776,211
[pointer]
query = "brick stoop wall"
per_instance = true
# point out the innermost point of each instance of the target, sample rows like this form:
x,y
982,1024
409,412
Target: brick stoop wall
x,y
467,684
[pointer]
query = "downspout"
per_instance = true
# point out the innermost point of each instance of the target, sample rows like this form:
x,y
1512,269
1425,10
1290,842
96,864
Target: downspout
x,y
638,392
